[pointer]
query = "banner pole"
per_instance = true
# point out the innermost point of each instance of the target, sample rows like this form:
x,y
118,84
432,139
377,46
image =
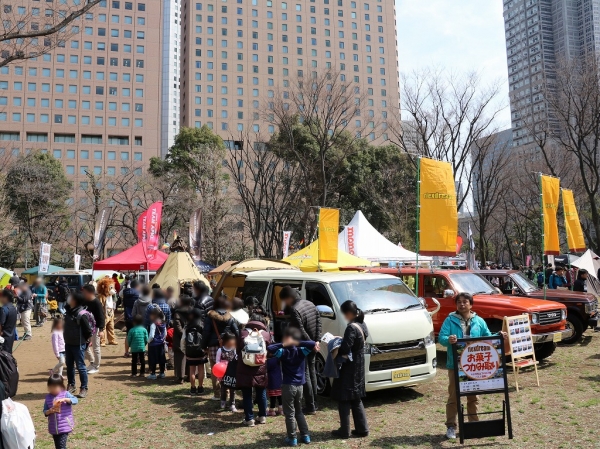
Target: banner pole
x,y
543,235
568,246
418,225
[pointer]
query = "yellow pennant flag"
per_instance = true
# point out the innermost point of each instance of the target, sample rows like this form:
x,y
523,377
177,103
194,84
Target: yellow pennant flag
x,y
572,224
329,223
550,192
438,217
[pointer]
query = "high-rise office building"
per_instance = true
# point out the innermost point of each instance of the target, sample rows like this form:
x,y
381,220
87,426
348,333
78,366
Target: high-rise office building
x,y
539,35
171,48
238,54
94,102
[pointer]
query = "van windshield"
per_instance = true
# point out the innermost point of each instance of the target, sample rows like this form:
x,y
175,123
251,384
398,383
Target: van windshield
x,y
471,283
376,295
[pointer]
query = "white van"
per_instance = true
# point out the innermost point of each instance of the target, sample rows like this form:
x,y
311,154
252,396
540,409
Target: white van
x,y
401,348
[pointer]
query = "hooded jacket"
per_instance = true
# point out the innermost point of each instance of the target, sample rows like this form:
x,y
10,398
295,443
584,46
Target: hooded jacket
x,y
452,326
223,321
140,306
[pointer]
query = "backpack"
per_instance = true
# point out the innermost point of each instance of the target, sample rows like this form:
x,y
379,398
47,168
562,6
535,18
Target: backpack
x,y
193,343
254,351
9,374
16,426
540,278
90,317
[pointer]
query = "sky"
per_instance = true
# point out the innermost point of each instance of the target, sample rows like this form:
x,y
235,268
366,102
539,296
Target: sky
x,y
458,35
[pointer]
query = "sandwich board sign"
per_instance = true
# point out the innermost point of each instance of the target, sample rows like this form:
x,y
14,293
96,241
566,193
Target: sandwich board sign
x,y
480,368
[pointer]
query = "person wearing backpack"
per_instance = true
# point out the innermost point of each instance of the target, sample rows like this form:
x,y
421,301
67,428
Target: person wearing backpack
x,y
94,306
191,346
251,373
137,339
8,319
79,326
180,319
156,344
349,388
217,322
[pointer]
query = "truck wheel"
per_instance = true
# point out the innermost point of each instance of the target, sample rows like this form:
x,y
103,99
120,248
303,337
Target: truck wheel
x,y
544,350
574,322
323,384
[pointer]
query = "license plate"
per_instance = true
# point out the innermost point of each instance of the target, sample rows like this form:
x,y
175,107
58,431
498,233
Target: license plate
x,y
557,337
400,375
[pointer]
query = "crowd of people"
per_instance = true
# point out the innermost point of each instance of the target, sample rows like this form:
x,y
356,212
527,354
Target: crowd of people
x,y
225,339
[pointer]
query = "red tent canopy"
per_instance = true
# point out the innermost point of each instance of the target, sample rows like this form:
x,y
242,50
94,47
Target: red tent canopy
x,y
132,259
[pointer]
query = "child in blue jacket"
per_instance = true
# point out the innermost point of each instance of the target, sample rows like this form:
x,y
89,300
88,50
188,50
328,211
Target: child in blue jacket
x,y
292,354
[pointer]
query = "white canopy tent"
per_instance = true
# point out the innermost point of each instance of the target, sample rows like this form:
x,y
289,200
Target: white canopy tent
x,y
590,262
361,239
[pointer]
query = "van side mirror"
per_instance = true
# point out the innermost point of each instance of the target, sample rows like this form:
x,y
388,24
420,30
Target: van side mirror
x,y
448,293
422,301
326,312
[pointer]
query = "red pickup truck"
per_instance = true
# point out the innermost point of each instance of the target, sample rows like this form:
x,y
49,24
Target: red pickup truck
x,y
548,318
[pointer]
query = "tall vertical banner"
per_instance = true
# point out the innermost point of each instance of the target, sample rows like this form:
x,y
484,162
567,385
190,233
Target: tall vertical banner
x,y
572,224
329,223
195,234
550,192
287,235
76,261
350,232
153,219
438,215
100,231
44,257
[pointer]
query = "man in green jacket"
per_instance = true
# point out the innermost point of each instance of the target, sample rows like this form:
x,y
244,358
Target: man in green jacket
x,y
463,323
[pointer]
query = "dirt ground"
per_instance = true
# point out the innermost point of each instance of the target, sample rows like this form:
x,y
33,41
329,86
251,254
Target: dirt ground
x,y
120,412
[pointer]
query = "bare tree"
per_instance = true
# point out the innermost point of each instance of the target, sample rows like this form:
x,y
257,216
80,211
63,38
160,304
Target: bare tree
x,y
447,114
29,32
568,133
491,157
268,190
336,115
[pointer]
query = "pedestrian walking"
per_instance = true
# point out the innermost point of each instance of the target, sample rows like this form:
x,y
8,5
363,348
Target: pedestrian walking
x,y
94,350
78,330
40,298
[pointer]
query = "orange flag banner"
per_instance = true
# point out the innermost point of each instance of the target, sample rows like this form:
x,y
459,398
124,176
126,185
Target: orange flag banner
x,y
329,224
550,193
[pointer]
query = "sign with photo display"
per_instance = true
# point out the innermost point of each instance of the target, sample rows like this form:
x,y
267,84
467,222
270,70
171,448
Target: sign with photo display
x,y
518,329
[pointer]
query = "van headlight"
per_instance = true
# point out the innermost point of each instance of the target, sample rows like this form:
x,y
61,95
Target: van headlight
x,y
563,314
430,339
535,318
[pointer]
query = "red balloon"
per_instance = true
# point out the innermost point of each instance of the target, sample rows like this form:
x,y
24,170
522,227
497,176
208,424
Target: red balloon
x,y
219,369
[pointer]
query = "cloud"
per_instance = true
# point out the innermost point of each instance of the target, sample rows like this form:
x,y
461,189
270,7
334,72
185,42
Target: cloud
x,y
459,35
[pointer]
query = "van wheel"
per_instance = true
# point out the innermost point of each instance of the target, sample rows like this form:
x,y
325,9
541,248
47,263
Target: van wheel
x,y
323,384
544,350
574,322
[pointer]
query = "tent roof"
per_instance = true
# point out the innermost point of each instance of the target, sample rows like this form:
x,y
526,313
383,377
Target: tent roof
x,y
307,259
178,268
221,268
589,261
132,259
36,269
370,244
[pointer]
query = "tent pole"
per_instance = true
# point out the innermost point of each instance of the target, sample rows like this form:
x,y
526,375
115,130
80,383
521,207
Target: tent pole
x,y
418,225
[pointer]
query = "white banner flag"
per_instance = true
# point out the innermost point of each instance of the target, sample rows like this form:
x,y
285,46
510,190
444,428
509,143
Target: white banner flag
x,y
76,261
44,257
350,240
287,235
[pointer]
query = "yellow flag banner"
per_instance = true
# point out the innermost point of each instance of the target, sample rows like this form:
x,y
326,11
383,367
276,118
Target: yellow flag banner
x,y
438,217
572,224
550,192
329,223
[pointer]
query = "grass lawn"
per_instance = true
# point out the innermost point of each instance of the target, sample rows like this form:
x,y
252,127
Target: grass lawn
x,y
120,412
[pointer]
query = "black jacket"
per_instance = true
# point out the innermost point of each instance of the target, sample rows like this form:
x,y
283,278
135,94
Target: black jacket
x,y
204,303
224,321
305,316
180,319
579,285
96,309
8,322
350,384
77,329
130,296
62,292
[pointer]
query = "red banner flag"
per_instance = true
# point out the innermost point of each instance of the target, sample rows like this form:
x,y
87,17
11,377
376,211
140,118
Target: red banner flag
x,y
153,219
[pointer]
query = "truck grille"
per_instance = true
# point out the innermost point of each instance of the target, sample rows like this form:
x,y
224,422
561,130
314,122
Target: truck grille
x,y
397,363
551,317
